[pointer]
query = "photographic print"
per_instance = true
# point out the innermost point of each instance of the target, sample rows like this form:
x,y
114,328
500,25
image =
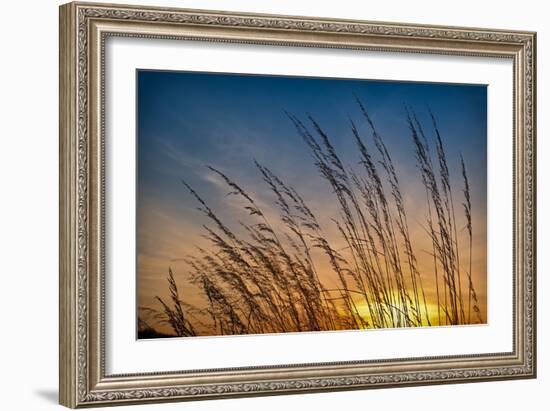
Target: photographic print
x,y
276,204
239,192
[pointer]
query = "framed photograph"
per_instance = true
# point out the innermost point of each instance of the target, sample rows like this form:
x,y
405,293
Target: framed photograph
x,y
259,204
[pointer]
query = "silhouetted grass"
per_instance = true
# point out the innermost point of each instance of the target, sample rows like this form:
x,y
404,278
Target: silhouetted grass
x,y
263,278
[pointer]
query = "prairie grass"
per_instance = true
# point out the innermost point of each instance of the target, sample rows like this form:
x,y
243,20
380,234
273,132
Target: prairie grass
x,y
265,276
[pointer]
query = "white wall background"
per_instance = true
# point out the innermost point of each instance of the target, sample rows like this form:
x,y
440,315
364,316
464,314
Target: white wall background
x,y
29,190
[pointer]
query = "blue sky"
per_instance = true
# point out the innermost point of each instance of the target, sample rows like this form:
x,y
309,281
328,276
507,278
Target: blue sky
x,y
187,121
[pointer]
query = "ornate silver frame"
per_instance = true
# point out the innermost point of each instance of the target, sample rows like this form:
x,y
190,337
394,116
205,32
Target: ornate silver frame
x,y
83,30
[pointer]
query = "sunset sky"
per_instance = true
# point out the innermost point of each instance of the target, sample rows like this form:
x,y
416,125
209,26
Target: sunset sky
x,y
188,121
